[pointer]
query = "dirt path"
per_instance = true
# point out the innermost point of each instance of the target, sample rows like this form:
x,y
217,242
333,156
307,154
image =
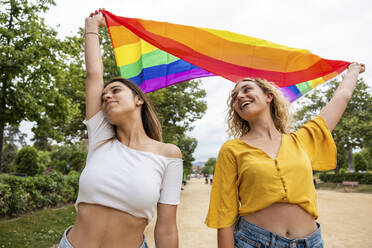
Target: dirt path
x,y
346,218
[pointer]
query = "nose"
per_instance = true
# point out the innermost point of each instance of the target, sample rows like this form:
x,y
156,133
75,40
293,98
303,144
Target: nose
x,y
241,95
107,96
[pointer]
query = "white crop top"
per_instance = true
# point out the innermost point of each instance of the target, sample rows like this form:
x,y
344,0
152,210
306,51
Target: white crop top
x,y
126,179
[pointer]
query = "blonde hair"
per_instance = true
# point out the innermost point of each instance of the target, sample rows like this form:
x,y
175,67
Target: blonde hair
x,y
279,106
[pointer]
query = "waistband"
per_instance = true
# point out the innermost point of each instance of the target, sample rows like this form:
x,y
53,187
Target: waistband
x,y
274,240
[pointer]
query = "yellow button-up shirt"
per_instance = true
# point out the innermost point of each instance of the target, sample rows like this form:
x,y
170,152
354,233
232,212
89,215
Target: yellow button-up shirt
x,y
246,179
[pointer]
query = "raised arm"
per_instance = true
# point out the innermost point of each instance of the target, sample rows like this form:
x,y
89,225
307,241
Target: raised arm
x,y
93,63
333,111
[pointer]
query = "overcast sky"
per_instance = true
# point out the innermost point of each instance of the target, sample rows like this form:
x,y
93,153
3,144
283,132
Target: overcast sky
x,y
340,30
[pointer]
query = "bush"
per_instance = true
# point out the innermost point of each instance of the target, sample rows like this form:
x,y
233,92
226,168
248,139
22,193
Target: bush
x,y
44,159
363,178
360,162
27,161
19,195
69,157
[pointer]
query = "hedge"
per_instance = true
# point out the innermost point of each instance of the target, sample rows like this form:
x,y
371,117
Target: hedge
x,y
19,195
362,178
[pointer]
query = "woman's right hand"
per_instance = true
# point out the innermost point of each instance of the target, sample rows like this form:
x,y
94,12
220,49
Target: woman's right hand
x,y
359,68
95,20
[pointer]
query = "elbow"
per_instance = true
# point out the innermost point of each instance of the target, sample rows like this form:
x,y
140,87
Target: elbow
x,y
345,95
169,232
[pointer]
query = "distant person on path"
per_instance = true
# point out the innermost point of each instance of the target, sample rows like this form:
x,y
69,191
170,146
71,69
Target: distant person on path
x,y
129,172
206,178
211,178
263,194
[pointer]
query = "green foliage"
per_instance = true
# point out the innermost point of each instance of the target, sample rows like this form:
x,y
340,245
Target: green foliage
x,y
68,157
31,61
210,162
19,195
354,130
187,146
13,136
360,162
9,156
367,154
209,166
44,159
27,161
362,178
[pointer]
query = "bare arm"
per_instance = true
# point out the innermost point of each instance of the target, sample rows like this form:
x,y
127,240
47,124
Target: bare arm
x,y
93,62
333,111
166,232
225,237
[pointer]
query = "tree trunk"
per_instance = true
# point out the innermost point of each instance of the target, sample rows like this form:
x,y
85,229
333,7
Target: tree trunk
x,y
2,125
350,160
338,165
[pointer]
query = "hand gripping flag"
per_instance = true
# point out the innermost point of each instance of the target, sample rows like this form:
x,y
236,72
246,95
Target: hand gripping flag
x,y
155,55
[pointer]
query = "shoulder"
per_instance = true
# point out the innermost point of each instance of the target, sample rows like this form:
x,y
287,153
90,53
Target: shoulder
x,y
172,151
169,150
230,145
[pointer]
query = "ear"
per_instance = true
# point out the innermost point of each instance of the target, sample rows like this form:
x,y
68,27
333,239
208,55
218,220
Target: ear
x,y
269,97
138,100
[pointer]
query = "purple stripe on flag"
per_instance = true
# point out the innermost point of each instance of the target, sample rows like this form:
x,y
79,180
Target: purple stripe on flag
x,y
162,82
288,94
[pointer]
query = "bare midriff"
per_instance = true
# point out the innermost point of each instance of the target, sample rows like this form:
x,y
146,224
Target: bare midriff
x,y
285,219
98,226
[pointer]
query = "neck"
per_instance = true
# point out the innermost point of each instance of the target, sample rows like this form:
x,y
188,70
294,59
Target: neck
x,y
263,127
131,132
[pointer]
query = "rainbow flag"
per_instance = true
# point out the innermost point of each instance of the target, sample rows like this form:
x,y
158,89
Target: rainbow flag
x,y
155,55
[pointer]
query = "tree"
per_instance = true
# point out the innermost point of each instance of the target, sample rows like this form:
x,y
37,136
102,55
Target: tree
x,y
209,166
187,146
31,57
354,129
360,162
13,138
66,158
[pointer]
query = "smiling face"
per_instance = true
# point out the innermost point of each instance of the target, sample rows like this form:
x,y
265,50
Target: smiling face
x,y
249,100
118,100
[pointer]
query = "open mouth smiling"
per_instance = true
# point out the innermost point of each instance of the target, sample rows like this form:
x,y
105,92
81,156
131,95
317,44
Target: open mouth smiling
x,y
244,104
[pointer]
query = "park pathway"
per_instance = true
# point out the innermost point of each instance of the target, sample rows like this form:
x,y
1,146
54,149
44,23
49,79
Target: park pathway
x,y
346,218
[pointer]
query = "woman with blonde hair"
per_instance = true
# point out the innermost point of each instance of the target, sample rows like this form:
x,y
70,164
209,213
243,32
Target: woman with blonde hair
x,y
263,193
129,171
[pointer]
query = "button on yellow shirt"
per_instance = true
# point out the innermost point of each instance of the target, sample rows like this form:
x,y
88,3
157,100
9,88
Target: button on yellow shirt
x,y
246,179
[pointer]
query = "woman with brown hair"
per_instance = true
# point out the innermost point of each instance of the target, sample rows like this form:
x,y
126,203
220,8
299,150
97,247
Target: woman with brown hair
x,y
129,171
263,194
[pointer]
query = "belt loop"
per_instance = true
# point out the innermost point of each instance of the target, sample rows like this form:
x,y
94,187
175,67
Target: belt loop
x,y
272,242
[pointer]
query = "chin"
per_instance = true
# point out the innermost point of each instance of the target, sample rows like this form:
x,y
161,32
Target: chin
x,y
111,116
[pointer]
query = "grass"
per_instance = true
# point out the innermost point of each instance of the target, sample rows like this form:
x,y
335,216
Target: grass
x,y
362,188
40,229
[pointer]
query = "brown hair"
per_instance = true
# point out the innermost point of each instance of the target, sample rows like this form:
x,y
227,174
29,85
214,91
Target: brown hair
x,y
279,106
150,121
